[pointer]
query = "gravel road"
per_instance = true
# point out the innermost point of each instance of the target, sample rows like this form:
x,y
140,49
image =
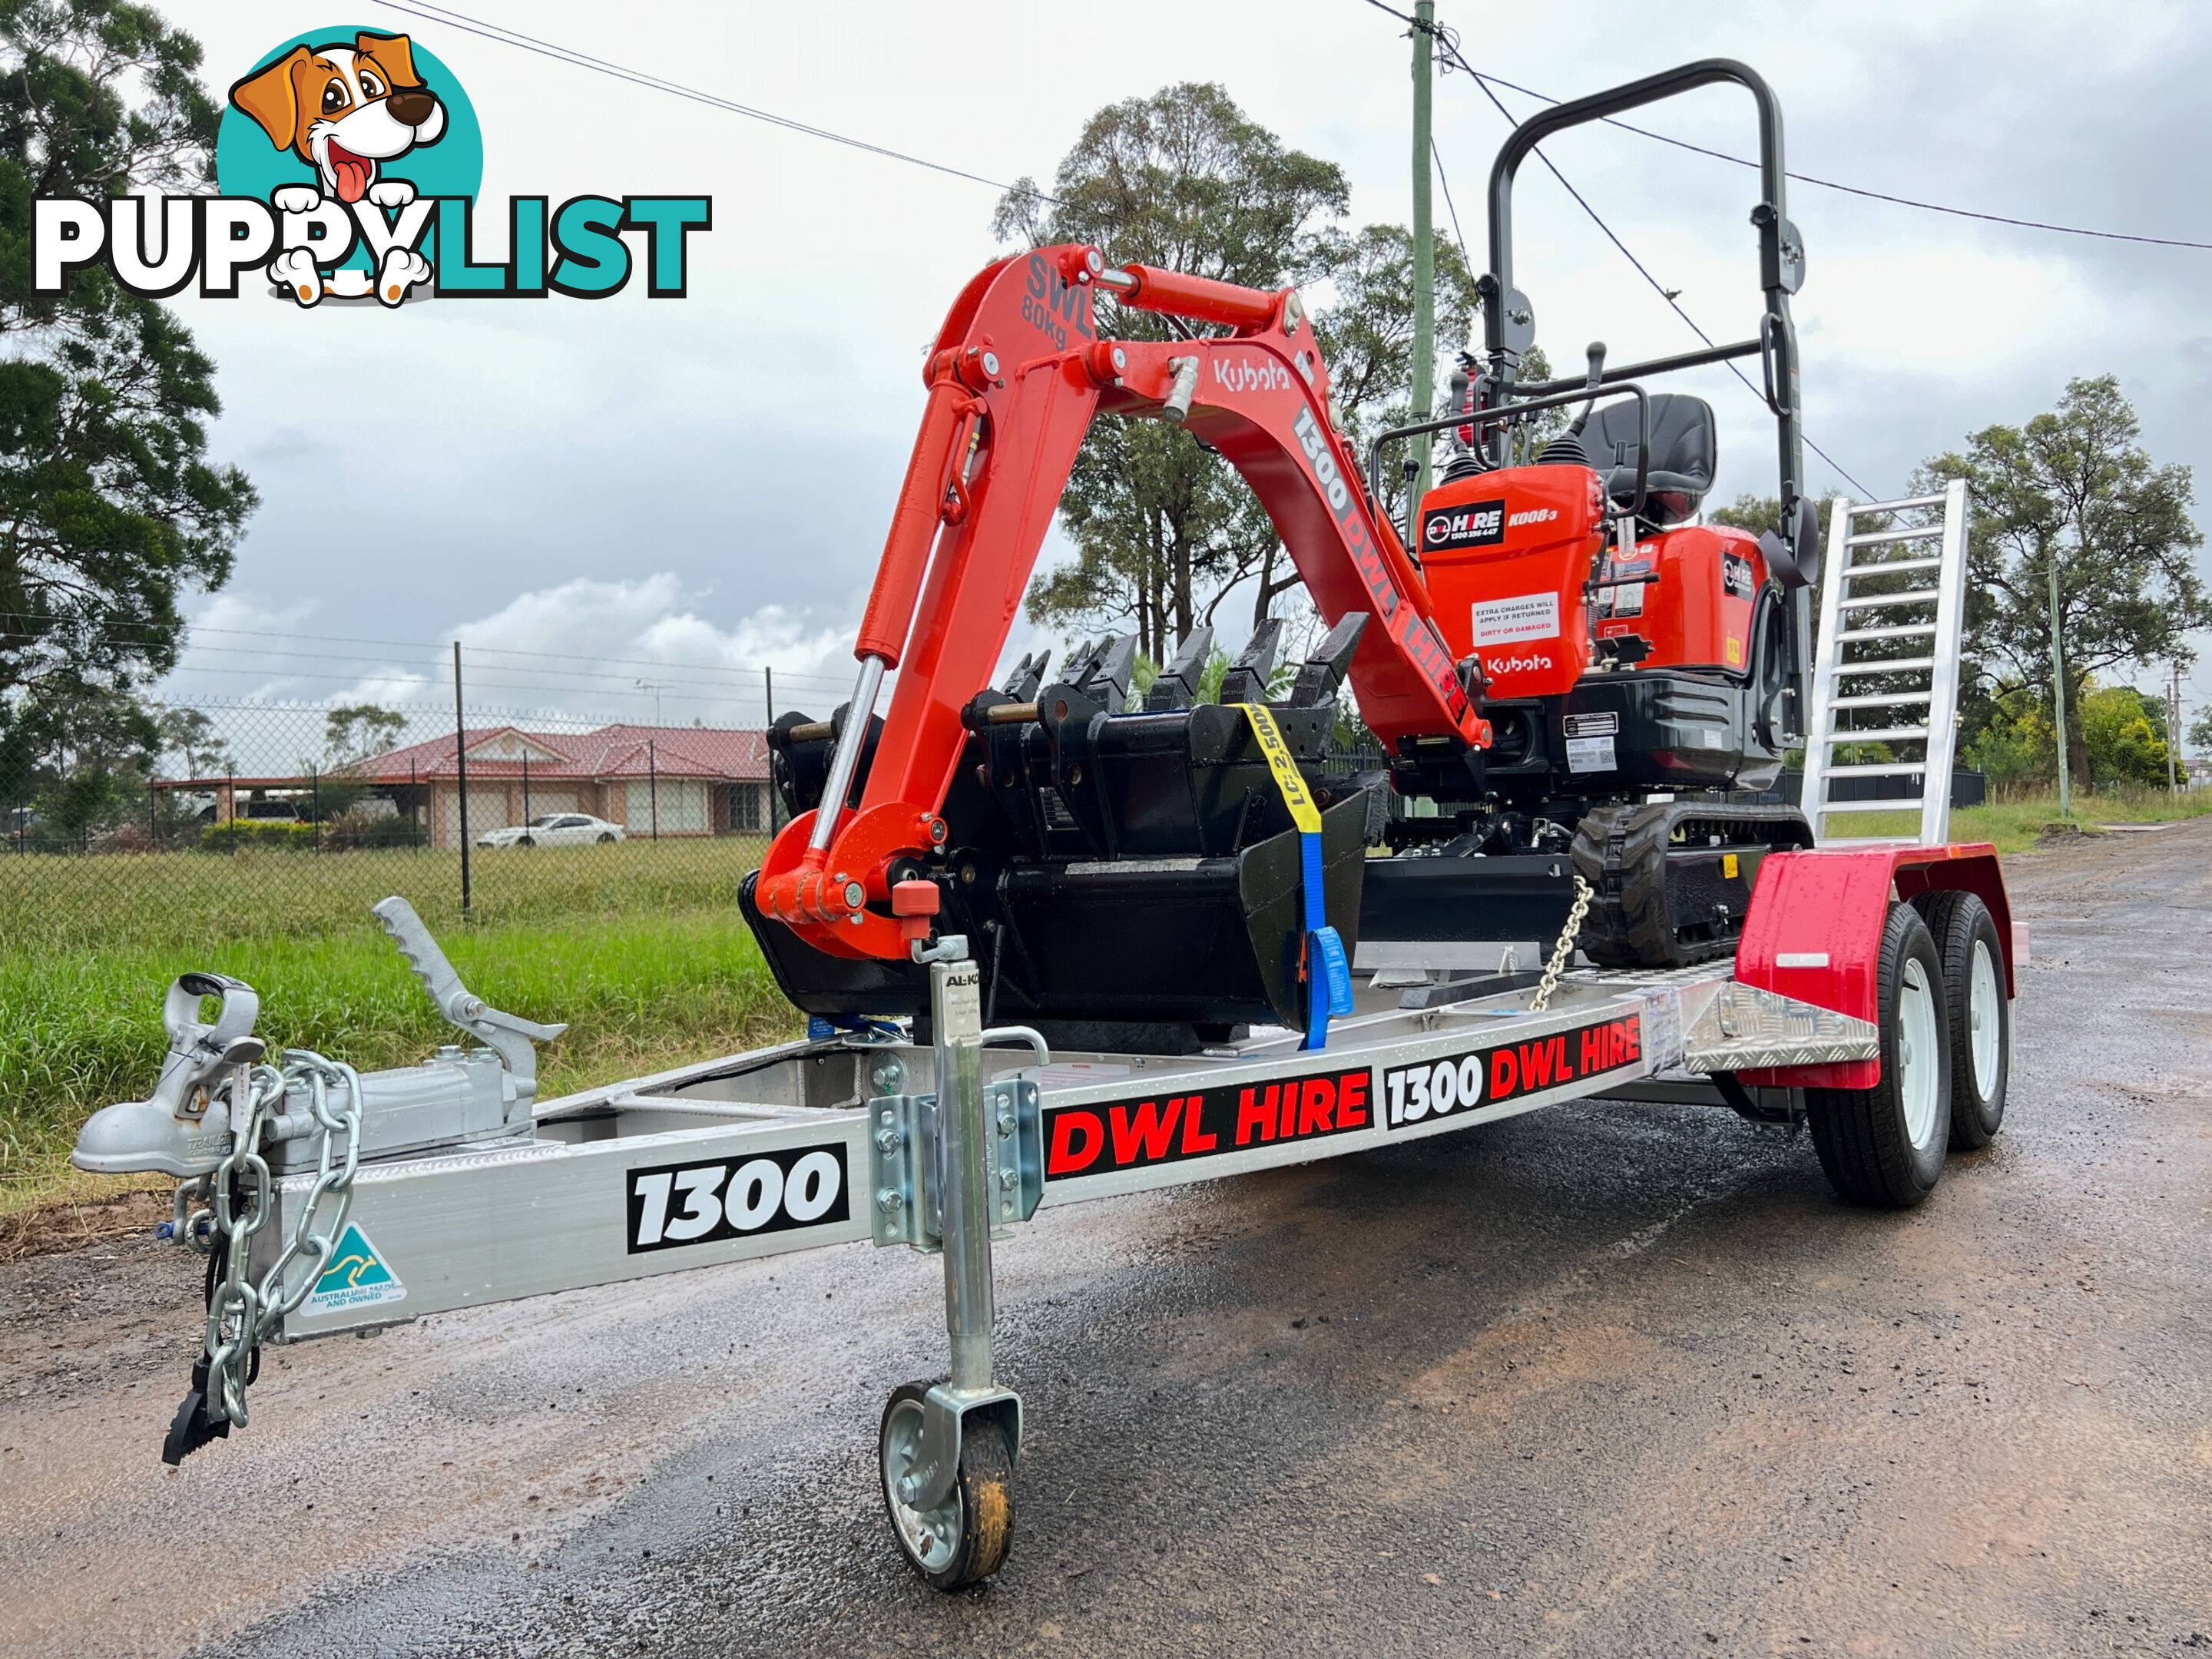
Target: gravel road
x,y
1608,1380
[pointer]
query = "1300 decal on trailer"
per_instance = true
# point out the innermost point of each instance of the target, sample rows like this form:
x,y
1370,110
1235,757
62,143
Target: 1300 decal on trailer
x,y
703,1203
1506,1071
1113,1137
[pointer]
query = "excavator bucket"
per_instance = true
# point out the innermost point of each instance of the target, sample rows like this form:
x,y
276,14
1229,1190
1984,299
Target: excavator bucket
x,y
1127,871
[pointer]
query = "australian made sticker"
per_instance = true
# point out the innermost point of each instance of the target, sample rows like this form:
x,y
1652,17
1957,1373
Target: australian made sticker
x,y
358,1275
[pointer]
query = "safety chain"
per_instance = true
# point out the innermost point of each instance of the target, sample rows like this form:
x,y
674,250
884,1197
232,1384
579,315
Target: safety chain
x,y
1565,950
241,1312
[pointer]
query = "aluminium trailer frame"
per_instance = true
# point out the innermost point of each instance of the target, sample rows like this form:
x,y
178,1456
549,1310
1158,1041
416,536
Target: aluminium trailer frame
x,y
833,1140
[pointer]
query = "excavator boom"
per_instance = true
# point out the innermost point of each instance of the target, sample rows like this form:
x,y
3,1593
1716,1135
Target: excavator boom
x,y
1015,377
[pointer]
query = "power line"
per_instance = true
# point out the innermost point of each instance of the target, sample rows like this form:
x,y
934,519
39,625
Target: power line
x,y
1870,195
446,16
1458,235
150,633
1810,179
1448,42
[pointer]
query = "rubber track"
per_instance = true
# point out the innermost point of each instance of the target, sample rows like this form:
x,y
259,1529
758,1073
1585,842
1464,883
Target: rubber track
x,y
1622,852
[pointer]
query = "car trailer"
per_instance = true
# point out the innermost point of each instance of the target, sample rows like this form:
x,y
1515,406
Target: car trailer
x,y
1869,998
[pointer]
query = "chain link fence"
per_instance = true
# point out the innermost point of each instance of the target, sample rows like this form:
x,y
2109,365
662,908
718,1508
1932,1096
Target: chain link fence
x,y
219,812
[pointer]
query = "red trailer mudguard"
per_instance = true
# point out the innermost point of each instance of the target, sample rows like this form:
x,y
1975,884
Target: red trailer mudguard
x,y
1814,932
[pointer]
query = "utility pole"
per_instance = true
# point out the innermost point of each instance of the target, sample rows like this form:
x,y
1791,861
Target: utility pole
x,y
2058,694
1424,247
461,772
2173,730
773,828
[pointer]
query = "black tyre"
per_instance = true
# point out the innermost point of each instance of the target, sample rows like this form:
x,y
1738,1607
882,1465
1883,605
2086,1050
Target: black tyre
x,y
1966,943
1884,1146
525,840
606,837
964,1539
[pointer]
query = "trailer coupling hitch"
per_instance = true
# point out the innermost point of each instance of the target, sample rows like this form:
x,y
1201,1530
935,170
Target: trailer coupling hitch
x,y
254,1143
186,1126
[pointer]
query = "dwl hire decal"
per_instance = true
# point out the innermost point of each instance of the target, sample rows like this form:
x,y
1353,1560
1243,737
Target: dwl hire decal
x,y
349,163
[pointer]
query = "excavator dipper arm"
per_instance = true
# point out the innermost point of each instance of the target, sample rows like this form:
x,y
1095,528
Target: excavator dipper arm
x,y
1015,377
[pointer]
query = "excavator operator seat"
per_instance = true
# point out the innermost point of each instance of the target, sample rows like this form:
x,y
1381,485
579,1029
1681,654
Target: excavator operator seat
x,y
1683,453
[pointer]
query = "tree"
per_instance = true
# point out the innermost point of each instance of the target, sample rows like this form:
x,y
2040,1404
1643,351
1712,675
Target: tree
x,y
2200,731
79,755
109,507
192,735
2125,733
1757,513
1164,529
2075,489
354,733
1182,180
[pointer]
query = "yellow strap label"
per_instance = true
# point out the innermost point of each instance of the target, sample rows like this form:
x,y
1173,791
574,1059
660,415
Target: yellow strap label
x,y
1303,812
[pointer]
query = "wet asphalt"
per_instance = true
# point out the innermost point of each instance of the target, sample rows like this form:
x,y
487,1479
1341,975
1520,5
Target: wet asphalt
x,y
1614,1379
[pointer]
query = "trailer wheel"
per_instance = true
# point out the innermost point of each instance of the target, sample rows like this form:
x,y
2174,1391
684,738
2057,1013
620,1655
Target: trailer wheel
x,y
1884,1146
964,1541
1981,1014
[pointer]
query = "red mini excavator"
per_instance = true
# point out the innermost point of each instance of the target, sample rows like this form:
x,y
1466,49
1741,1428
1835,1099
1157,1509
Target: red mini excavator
x,y
1149,873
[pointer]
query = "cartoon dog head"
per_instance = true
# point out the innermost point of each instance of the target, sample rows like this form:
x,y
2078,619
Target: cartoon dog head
x,y
344,109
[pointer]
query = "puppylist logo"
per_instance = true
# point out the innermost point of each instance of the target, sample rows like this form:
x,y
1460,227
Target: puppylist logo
x,y
348,163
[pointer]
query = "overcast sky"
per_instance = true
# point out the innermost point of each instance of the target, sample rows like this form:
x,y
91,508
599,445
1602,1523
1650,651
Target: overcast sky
x,y
673,484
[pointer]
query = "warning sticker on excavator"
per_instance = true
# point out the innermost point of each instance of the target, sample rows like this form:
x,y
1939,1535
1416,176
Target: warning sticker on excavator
x,y
357,1277
1524,616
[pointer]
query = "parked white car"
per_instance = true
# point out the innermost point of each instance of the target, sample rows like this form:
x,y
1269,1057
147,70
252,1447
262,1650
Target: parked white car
x,y
553,829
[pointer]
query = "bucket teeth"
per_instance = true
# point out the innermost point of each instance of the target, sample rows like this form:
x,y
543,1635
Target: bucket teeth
x,y
1083,662
1247,676
1028,675
1107,672
1177,685
1331,661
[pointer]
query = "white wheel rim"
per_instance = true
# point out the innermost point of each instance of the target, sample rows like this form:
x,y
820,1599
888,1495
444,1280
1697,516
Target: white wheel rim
x,y
930,1536
1917,1052
1986,1020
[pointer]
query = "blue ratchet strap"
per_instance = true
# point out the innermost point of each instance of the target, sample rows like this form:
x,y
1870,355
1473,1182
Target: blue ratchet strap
x,y
1328,975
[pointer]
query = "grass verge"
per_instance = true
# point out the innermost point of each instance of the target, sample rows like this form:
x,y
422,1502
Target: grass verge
x,y
81,1025
2014,826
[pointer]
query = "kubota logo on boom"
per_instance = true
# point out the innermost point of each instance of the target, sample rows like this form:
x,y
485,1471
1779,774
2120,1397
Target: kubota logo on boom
x,y
1245,374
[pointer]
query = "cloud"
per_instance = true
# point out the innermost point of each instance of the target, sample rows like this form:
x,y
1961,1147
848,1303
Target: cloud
x,y
227,653
628,647
590,649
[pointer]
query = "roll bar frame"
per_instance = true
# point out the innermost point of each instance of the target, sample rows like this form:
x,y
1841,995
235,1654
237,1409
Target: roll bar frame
x,y
1509,321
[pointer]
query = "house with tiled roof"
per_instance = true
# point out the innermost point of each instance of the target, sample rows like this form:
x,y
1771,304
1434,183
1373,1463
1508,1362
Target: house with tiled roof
x,y
652,780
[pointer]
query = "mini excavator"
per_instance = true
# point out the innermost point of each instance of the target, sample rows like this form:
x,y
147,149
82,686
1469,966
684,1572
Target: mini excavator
x,y
1589,683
